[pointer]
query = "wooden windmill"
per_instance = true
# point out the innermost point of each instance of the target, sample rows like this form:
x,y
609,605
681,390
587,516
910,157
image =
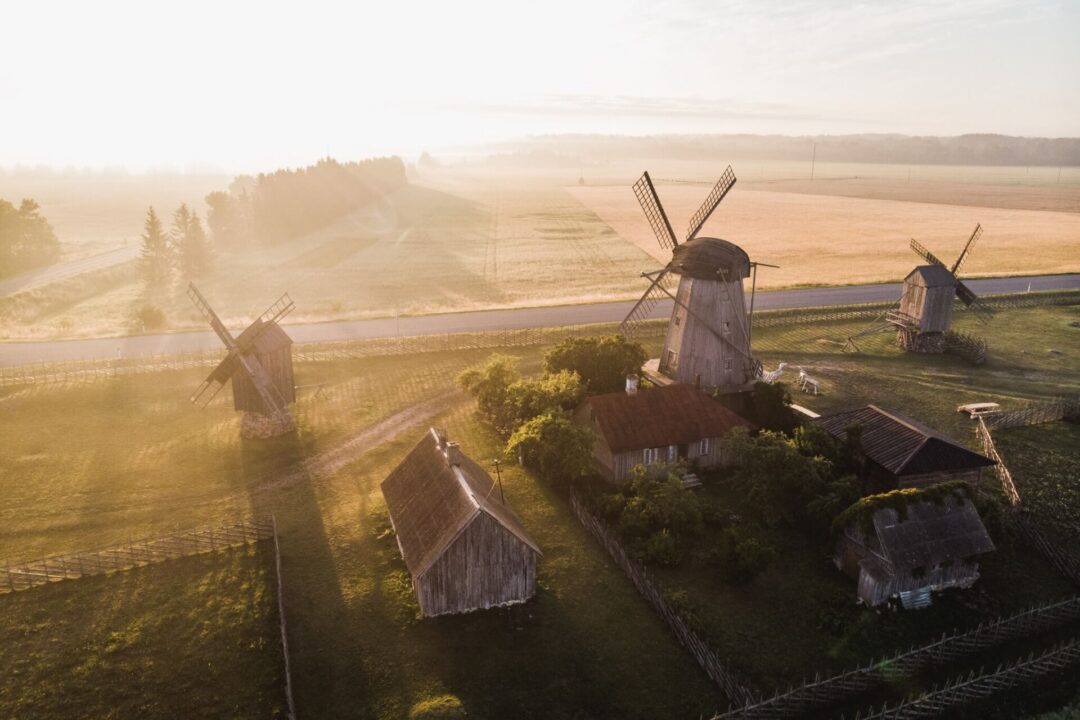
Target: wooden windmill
x,y
259,363
927,302
708,337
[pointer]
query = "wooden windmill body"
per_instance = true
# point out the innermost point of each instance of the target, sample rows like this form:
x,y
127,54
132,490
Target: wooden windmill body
x,y
926,305
707,343
259,364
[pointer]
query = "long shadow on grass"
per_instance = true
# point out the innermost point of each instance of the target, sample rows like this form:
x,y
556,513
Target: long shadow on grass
x,y
320,635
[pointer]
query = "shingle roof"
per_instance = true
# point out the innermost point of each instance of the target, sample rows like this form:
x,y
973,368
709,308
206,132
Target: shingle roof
x,y
657,417
431,502
931,533
901,445
934,275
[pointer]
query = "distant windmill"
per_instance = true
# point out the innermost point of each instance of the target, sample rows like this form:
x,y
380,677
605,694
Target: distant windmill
x,y
927,301
259,363
708,337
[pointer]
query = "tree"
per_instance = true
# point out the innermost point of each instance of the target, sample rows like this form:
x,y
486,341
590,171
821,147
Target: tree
x,y
526,399
658,514
189,243
27,240
559,449
771,407
155,259
602,362
489,384
777,480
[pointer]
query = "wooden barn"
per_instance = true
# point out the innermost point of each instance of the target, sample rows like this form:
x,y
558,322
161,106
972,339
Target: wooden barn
x,y
464,547
912,549
657,425
903,453
273,348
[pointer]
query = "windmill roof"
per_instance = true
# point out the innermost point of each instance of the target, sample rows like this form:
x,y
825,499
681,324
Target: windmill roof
x,y
265,337
934,275
702,257
901,445
657,417
930,533
432,499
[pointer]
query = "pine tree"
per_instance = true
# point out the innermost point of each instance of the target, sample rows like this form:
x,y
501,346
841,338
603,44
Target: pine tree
x,y
195,255
155,261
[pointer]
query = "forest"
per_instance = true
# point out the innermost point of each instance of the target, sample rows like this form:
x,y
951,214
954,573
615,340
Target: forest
x,y
27,240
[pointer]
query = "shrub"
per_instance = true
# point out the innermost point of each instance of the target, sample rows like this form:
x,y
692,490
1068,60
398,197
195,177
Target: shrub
x,y
602,363
554,445
150,317
740,558
440,707
662,549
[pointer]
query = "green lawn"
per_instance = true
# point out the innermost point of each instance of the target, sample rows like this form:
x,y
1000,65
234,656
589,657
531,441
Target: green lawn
x,y
1045,463
196,637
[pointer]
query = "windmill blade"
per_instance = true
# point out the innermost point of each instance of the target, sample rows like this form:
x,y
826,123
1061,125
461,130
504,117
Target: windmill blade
x,y
281,307
967,249
216,380
654,211
965,294
211,316
924,253
720,189
971,300
643,308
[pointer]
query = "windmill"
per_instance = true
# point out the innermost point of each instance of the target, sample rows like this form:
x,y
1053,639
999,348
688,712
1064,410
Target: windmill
x,y
927,302
708,336
259,363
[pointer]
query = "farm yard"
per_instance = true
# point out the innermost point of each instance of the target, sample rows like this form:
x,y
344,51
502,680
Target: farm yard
x,y
164,464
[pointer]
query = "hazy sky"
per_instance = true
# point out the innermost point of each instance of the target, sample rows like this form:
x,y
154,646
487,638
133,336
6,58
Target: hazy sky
x,y
253,85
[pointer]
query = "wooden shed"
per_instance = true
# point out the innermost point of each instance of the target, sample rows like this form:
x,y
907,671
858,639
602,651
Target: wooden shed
x,y
273,349
674,423
902,452
464,547
908,551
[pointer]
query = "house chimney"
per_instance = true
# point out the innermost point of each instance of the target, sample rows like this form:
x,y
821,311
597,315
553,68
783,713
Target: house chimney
x,y
453,454
631,384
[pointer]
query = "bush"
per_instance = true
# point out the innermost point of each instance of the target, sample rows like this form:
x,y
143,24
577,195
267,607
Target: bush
x,y
440,707
662,549
740,558
602,363
559,449
150,317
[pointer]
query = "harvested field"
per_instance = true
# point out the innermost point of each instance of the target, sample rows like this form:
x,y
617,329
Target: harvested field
x,y
819,239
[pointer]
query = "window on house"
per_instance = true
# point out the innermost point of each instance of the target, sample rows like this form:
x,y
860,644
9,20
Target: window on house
x,y
673,453
703,446
650,456
727,364
678,320
727,326
671,356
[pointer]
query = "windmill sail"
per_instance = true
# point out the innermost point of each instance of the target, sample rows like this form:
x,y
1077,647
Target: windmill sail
x,y
925,254
211,316
281,307
643,308
967,249
723,185
654,212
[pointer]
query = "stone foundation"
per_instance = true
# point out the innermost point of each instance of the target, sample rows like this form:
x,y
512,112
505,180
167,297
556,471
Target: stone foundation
x,y
921,342
256,426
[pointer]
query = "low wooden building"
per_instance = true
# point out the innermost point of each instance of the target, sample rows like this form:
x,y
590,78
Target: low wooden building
x,y
464,547
902,453
674,423
908,551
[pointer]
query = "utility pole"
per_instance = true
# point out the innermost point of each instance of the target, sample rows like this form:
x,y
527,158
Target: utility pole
x,y
813,159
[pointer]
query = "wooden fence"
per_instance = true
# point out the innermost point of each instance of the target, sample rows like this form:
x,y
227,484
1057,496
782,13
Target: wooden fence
x,y
705,656
823,692
964,690
1008,486
282,622
1035,413
32,573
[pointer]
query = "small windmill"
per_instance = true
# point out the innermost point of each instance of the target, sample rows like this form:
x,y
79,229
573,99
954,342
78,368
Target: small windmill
x,y
259,363
708,337
927,302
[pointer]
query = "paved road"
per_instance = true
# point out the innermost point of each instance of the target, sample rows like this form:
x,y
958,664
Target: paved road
x,y
18,353
62,271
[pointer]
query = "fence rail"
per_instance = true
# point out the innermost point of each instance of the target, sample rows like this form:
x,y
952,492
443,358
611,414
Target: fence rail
x,y
33,573
78,371
974,687
1035,413
705,656
1008,486
820,693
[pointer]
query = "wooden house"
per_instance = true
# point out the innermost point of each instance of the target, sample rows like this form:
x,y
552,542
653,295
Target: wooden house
x,y
463,545
913,549
674,423
902,453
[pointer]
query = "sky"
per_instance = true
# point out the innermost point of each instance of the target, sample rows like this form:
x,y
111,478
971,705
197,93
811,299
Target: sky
x,y
241,86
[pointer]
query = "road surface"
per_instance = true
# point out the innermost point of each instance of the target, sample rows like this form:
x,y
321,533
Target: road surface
x,y
62,271
21,353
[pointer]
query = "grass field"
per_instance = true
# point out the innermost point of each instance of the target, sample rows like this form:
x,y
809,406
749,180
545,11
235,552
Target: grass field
x,y
196,637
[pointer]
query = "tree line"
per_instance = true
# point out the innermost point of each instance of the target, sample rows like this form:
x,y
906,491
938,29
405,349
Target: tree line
x,y
276,207
183,249
27,240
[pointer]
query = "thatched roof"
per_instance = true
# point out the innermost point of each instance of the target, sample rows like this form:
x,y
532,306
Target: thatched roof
x,y
658,417
901,445
434,494
930,533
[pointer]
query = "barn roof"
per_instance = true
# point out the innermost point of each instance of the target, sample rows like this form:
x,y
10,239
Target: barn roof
x,y
930,533
657,417
434,494
901,445
934,275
